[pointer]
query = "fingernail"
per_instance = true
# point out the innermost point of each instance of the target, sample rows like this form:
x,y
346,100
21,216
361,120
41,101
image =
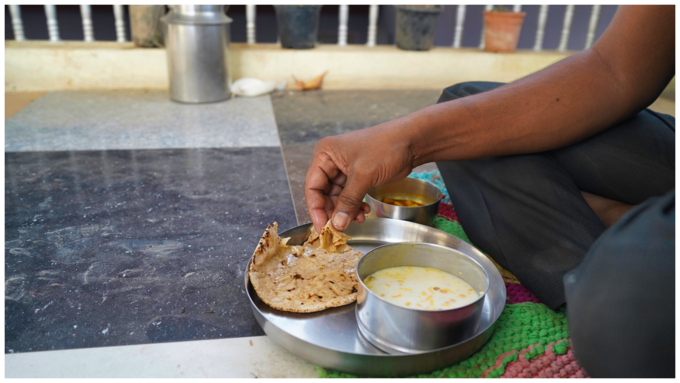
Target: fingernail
x,y
340,220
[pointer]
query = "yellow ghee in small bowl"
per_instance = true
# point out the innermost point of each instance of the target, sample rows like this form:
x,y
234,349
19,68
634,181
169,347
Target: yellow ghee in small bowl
x,y
421,288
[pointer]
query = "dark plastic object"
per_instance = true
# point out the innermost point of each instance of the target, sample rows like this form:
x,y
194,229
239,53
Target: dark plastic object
x,y
416,27
298,25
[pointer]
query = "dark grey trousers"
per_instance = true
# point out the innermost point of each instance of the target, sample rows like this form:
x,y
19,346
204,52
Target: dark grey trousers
x,y
527,212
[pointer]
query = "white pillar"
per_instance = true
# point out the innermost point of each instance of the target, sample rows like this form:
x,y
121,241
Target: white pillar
x,y
460,21
372,25
17,24
592,26
481,41
120,23
517,8
540,30
250,24
86,15
52,26
342,25
566,27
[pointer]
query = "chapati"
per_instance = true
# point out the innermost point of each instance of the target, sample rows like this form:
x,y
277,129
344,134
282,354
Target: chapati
x,y
318,275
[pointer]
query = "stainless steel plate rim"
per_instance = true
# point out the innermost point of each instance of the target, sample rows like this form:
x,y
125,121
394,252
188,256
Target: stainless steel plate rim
x,y
380,231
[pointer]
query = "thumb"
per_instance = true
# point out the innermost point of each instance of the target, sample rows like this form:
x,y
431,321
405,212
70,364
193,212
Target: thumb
x,y
349,201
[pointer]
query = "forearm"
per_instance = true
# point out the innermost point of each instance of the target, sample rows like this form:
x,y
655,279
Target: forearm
x,y
559,105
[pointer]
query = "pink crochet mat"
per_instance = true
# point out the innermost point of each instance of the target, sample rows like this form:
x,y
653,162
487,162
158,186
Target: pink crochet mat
x,y
551,364
530,340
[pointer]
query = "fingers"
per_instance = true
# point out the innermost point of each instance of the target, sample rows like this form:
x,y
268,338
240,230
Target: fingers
x,y
335,190
317,187
365,208
361,215
350,201
331,193
319,219
340,179
319,207
363,211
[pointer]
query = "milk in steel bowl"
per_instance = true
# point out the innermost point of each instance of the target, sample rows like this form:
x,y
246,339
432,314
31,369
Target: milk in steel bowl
x,y
418,297
422,287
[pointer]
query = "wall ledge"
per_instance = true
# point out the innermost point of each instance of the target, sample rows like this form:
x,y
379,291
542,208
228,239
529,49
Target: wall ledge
x,y
76,65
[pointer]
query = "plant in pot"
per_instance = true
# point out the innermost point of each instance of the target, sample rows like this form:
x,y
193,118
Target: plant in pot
x,y
298,25
416,26
501,29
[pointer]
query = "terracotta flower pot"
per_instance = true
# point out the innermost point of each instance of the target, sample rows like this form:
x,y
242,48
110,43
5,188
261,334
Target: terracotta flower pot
x,y
501,30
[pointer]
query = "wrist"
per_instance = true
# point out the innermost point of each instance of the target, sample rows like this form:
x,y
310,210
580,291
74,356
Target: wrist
x,y
431,132
414,128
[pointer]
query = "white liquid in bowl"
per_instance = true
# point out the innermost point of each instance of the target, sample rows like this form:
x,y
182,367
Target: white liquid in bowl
x,y
421,288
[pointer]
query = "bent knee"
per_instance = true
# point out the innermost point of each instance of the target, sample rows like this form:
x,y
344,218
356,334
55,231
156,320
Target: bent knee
x,y
467,88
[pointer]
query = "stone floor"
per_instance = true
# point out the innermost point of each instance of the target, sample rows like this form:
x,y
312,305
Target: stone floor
x,y
129,220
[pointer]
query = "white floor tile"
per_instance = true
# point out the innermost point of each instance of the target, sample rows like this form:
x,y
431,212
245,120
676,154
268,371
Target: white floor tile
x,y
111,120
250,357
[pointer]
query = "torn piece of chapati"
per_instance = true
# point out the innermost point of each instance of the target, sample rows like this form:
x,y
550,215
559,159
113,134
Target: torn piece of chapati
x,y
318,275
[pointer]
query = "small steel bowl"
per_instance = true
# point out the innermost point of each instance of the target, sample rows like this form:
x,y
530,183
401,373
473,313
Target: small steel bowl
x,y
409,188
404,330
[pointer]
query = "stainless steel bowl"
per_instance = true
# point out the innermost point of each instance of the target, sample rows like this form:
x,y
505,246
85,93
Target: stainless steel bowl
x,y
401,330
408,188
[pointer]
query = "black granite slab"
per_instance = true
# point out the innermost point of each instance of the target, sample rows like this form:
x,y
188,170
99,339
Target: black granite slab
x,y
297,159
305,117
111,248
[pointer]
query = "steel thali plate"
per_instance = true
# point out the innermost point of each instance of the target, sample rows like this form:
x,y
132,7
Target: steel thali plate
x,y
330,338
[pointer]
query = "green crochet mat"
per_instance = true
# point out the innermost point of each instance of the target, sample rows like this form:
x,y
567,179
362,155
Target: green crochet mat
x,y
520,326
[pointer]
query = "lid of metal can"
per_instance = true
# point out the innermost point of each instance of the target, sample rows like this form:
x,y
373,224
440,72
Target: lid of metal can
x,y
196,15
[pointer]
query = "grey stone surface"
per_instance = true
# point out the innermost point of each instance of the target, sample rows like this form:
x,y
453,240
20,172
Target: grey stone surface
x,y
305,117
116,247
138,120
297,160
111,248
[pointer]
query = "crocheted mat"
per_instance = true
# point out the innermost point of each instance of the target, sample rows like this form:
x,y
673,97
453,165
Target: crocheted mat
x,y
530,340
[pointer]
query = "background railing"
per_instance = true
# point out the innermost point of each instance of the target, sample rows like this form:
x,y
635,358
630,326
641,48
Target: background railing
x,y
53,25
462,12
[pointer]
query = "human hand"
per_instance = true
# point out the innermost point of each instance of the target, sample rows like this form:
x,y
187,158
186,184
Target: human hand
x,y
344,167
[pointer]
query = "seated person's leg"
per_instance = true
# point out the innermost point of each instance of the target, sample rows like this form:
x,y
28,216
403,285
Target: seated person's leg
x,y
527,211
527,214
523,210
628,163
607,210
623,166
621,299
464,89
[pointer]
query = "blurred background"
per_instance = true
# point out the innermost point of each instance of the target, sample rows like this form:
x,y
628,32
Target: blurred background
x,y
70,24
144,157
547,34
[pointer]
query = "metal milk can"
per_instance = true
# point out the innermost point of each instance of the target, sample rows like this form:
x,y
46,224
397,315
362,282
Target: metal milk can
x,y
197,44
